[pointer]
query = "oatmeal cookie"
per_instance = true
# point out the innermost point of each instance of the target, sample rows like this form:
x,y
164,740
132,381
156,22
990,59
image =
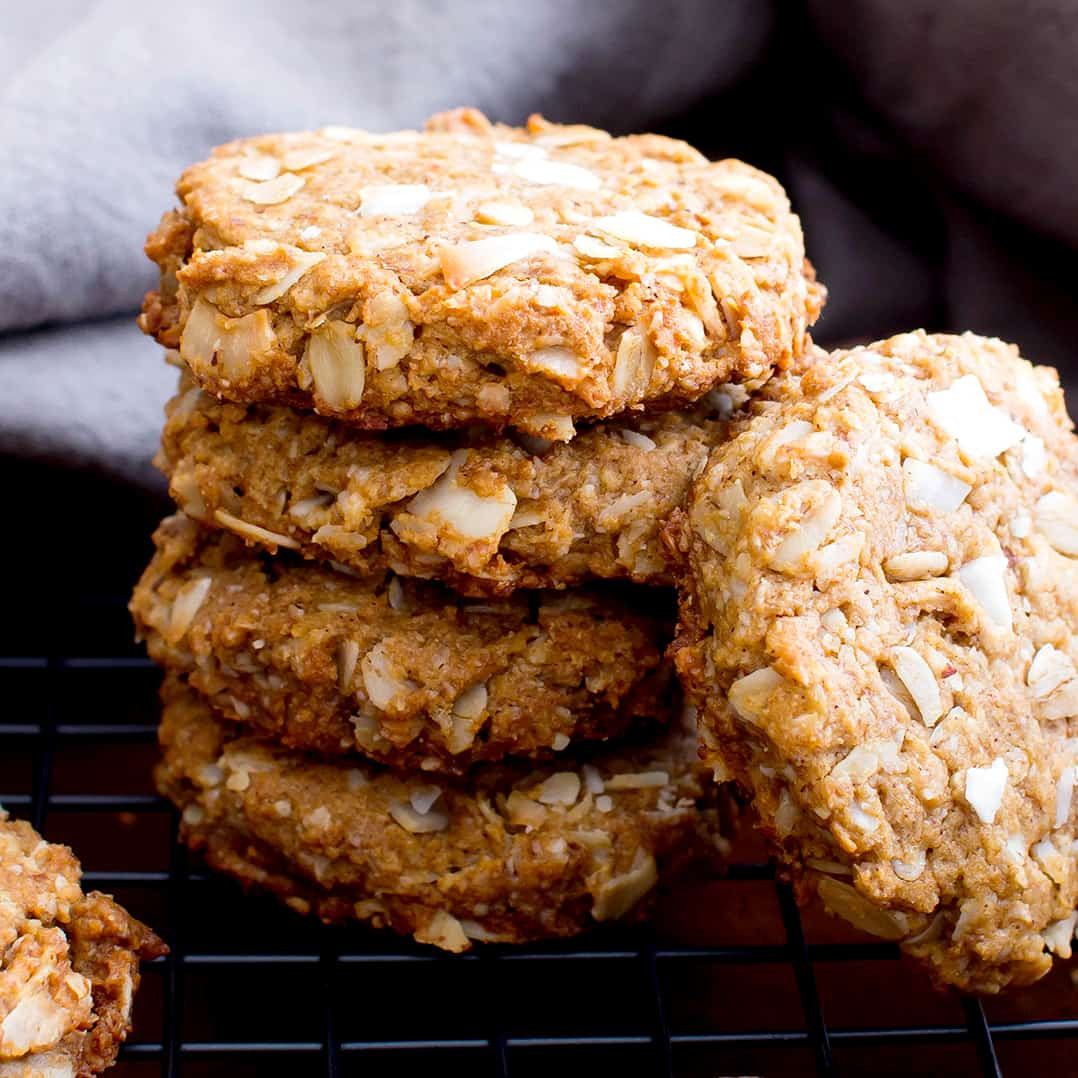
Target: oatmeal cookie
x,y
509,854
477,273
486,514
69,962
402,671
878,626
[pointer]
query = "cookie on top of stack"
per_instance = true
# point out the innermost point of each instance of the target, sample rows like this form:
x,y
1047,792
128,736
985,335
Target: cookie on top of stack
x,y
440,392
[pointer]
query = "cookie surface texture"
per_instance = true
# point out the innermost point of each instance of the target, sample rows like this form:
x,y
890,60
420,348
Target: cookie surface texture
x,y
402,671
477,273
487,514
878,630
507,854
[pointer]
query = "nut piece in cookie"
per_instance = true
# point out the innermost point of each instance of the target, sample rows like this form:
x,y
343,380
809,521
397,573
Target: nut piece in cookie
x,y
69,962
477,273
488,514
402,671
508,853
878,629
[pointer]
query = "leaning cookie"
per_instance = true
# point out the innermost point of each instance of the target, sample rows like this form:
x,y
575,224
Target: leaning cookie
x,y
477,273
402,671
509,854
486,514
882,582
69,962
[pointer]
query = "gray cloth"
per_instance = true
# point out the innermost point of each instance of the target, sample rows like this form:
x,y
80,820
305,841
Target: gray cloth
x,y
102,104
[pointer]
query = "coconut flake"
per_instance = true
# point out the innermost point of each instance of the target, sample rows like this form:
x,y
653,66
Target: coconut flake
x,y
469,515
347,657
382,685
860,763
472,702
254,532
1049,669
590,247
338,364
984,789
259,166
1058,935
637,440
307,157
540,171
561,788
812,530
1064,795
749,695
638,780
964,412
418,823
915,565
986,580
876,381
186,605
909,870
504,213
593,781
920,682
1033,456
422,798
828,559
618,895
848,903
644,230
794,431
1021,526
271,192
393,199
1056,515
931,487
862,819
556,360
634,364
465,263
1015,848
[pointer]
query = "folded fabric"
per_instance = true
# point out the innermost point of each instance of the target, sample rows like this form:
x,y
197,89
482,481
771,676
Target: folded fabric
x,y
923,143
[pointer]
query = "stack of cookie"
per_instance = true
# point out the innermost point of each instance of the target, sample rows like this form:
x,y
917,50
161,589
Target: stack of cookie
x,y
440,392
457,410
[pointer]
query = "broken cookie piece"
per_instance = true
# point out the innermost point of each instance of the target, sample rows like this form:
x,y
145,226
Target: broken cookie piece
x,y
69,962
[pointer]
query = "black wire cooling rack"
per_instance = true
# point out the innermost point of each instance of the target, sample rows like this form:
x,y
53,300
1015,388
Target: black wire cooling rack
x,y
731,979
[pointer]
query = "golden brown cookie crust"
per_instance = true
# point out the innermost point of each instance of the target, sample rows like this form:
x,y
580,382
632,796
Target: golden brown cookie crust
x,y
882,579
402,671
477,273
69,962
486,514
508,854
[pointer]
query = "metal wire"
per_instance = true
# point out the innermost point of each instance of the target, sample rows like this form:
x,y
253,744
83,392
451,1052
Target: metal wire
x,y
337,977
